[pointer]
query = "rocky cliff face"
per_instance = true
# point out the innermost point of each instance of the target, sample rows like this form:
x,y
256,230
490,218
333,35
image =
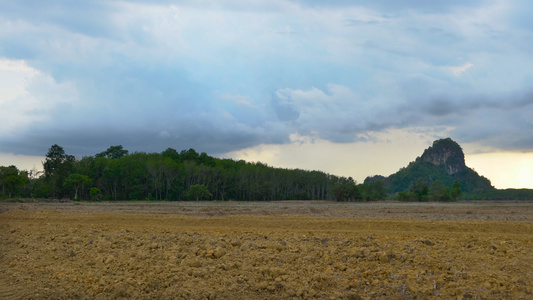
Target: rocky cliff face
x,y
444,161
448,153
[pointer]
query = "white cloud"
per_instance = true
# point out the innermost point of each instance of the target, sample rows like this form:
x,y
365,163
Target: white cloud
x,y
238,99
14,77
15,65
459,70
29,96
336,113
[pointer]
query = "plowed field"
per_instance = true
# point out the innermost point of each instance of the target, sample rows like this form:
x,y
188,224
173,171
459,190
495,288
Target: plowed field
x,y
279,250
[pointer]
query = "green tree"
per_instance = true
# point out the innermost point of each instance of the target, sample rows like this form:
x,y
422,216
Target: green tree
x,y
375,190
113,175
190,154
198,191
439,192
206,160
346,192
154,165
135,182
12,180
420,190
456,190
171,172
171,153
77,181
114,152
405,197
95,193
57,166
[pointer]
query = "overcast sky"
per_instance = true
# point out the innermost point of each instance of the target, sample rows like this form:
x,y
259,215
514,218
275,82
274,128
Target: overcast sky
x,y
354,88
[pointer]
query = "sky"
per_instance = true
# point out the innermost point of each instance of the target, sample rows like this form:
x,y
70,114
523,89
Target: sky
x,y
352,88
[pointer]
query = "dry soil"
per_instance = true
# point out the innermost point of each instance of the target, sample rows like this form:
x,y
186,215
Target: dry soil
x,y
273,250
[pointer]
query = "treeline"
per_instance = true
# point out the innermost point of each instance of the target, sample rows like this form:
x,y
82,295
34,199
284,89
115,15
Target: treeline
x,y
508,194
115,174
14,182
436,191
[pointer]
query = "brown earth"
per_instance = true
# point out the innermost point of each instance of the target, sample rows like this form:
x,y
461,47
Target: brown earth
x,y
273,250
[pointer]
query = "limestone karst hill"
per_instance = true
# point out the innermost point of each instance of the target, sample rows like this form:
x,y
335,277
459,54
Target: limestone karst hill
x,y
448,153
444,161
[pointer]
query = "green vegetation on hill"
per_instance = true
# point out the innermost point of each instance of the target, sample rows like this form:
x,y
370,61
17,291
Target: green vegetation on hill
x,y
401,181
441,167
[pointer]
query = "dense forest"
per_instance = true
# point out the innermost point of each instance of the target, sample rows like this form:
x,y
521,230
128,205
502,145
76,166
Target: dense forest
x,y
115,174
419,178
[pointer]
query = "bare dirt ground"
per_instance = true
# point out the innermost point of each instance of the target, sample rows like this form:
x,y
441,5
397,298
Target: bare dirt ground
x,y
268,250
431,211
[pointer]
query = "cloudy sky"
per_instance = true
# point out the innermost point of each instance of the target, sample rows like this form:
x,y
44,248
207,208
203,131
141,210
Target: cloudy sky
x,y
354,88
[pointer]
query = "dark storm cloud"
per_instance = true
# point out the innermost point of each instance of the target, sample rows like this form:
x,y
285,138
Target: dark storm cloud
x,y
226,75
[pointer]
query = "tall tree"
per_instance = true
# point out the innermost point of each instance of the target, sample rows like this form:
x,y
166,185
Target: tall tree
x,y
439,192
420,190
155,170
77,181
171,153
199,191
456,191
12,180
171,172
190,154
112,176
114,152
375,190
346,192
57,167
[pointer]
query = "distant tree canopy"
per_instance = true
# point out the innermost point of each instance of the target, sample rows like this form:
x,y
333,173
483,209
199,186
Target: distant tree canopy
x,y
12,181
77,181
114,152
346,192
117,174
57,167
198,192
